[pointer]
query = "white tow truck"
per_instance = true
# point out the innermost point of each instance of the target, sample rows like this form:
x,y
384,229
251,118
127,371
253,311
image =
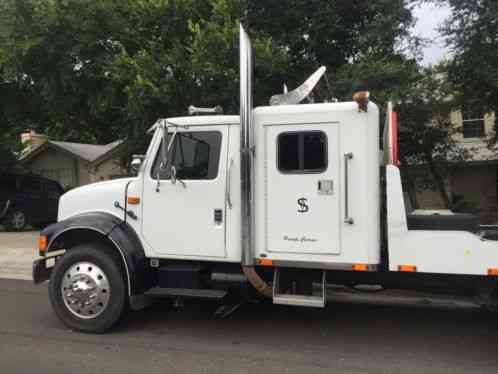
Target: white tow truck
x,y
278,202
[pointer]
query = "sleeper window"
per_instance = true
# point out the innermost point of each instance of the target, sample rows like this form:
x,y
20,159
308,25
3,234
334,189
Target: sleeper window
x,y
195,155
302,152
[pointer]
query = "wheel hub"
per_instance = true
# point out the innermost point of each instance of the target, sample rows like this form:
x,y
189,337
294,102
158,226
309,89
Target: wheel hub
x,y
18,220
85,290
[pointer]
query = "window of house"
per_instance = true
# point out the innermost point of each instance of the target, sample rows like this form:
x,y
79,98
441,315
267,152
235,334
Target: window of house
x,y
195,155
473,124
302,152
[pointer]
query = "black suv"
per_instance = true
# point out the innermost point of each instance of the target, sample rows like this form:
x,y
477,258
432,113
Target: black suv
x,y
28,199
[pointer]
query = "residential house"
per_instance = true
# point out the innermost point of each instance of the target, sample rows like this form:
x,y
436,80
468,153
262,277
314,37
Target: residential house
x,y
70,164
473,182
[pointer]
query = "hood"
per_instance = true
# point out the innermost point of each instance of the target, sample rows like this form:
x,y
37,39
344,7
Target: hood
x,y
96,197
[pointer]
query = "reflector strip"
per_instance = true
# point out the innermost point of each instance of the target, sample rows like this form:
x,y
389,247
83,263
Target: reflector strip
x,y
407,268
394,124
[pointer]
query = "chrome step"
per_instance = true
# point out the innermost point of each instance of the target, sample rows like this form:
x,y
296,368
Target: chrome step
x,y
187,293
299,300
316,300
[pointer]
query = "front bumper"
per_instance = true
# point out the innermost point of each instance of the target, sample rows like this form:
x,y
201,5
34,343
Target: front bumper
x,y
42,268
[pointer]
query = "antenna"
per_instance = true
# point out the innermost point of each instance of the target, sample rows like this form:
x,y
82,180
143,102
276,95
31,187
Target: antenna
x,y
299,94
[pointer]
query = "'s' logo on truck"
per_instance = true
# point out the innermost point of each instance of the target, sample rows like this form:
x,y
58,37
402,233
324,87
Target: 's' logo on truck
x,y
303,207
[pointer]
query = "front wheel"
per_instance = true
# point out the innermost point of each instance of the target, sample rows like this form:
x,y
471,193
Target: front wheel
x,y
16,220
87,289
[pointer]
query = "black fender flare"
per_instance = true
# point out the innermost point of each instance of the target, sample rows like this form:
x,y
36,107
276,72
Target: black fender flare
x,y
117,231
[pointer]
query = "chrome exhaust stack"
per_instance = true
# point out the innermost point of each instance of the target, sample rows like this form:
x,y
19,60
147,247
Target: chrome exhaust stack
x,y
247,167
246,144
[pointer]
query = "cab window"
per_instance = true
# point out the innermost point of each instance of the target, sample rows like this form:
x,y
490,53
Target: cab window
x,y
195,155
302,152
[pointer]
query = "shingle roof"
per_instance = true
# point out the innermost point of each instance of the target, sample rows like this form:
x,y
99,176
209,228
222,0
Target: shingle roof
x,y
88,152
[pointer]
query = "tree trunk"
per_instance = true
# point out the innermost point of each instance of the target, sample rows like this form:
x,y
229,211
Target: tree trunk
x,y
440,185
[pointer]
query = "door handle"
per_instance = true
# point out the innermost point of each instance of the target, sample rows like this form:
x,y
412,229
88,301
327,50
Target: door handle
x,y
347,218
228,195
218,216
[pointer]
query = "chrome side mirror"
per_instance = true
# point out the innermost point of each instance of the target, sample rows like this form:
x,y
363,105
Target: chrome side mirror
x,y
165,144
136,162
174,178
173,174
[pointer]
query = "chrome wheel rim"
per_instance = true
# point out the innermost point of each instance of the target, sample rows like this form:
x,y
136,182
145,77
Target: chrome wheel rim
x,y
85,290
18,220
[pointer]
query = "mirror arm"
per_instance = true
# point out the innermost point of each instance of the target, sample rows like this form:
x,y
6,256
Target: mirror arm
x,y
158,177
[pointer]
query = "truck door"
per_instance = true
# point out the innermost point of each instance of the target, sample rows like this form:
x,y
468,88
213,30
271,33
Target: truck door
x,y
302,189
186,217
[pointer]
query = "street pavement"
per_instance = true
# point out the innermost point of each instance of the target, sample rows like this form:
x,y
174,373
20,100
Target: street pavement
x,y
17,252
256,339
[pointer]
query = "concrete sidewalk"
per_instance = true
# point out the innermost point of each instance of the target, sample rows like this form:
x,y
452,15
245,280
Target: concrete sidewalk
x,y
17,252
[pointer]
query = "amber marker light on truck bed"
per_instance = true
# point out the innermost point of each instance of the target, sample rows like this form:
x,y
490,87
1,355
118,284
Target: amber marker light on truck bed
x,y
407,268
264,262
42,244
493,271
360,267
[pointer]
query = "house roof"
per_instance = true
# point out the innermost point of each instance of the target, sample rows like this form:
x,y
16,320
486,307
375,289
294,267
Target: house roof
x,y
86,152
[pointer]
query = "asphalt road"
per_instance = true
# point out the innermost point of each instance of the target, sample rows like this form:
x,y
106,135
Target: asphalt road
x,y
256,339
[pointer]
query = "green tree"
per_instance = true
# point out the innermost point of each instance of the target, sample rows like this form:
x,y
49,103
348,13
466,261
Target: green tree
x,y
472,34
98,70
427,136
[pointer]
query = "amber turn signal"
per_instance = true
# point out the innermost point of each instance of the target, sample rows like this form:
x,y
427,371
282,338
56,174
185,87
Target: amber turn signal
x,y
133,200
42,244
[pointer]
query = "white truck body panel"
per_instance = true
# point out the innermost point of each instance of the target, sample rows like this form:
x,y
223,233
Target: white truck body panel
x,y
444,252
356,133
300,219
95,197
180,220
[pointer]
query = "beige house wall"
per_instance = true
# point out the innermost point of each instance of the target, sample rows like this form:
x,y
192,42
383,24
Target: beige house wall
x,y
109,169
429,199
56,165
475,183
71,171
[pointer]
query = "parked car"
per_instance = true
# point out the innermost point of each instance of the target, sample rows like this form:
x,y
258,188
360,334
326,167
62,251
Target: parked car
x,y
28,199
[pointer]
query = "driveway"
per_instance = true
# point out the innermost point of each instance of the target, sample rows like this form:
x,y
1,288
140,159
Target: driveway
x,y
17,252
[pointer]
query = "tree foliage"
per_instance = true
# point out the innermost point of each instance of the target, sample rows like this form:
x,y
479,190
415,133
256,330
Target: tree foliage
x,y
472,34
427,137
98,70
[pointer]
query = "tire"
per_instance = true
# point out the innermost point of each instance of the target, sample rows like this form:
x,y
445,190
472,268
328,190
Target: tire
x,y
15,220
84,271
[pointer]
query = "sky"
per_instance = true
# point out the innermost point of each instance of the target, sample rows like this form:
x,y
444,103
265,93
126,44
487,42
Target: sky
x,y
429,17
